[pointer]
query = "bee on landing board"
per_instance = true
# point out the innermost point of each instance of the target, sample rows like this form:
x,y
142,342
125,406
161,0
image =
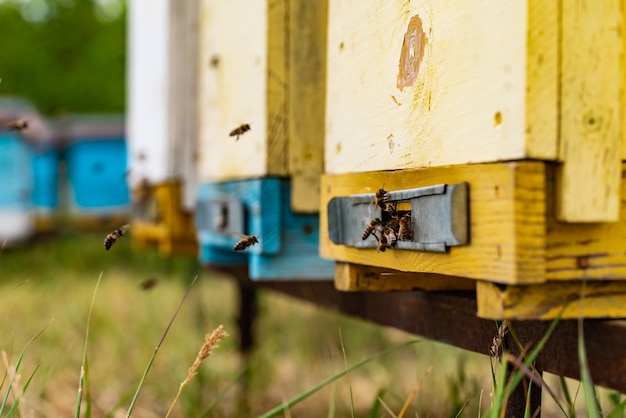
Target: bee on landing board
x,y
245,242
405,233
374,224
390,236
114,236
18,125
381,198
382,243
240,130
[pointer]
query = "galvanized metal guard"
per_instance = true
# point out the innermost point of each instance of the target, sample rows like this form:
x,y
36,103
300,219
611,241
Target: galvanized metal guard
x,y
439,217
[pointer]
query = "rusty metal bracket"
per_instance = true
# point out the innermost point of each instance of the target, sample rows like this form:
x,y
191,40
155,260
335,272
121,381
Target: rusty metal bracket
x,y
439,217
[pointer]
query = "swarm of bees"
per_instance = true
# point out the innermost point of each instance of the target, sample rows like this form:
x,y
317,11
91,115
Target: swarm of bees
x,y
112,238
393,227
246,241
240,130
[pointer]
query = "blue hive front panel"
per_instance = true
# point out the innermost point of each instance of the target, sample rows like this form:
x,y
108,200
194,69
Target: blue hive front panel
x,y
15,172
46,177
97,173
288,245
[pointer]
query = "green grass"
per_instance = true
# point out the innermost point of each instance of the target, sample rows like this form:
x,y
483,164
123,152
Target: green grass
x,y
298,350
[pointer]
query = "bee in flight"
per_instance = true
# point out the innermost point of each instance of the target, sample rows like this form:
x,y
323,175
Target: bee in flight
x,y
405,233
18,125
149,283
240,130
374,224
114,236
245,242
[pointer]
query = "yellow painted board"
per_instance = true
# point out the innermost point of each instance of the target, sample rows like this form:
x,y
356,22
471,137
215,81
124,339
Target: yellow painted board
x,y
434,83
307,94
507,221
358,278
592,80
243,79
159,219
593,251
545,301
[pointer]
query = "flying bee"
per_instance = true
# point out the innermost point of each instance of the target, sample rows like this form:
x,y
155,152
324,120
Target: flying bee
x,y
405,233
390,236
114,236
246,242
18,125
374,224
148,284
240,130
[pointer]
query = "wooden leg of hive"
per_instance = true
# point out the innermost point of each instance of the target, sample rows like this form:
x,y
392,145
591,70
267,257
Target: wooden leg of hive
x,y
245,323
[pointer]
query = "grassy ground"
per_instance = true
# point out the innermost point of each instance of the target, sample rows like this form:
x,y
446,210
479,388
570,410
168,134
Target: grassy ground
x,y
298,344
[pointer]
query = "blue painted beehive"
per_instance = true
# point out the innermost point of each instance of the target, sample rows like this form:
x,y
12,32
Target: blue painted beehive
x,y
288,242
96,166
16,215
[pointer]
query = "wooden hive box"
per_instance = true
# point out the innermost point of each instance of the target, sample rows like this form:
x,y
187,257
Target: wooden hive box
x,y
162,123
262,66
520,103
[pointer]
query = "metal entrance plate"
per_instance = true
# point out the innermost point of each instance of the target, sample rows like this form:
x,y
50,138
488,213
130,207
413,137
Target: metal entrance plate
x,y
439,217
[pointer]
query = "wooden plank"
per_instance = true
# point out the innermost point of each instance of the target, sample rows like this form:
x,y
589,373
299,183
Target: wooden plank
x,y
507,221
593,251
602,299
431,83
592,78
307,93
450,318
357,278
243,80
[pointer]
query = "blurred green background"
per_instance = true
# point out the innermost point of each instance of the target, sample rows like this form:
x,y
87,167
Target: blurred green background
x,y
66,56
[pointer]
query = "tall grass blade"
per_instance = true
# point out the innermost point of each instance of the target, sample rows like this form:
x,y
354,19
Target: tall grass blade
x,y
386,407
23,391
345,360
458,414
618,411
568,397
591,403
156,349
81,379
299,398
19,362
20,284
408,400
374,411
332,401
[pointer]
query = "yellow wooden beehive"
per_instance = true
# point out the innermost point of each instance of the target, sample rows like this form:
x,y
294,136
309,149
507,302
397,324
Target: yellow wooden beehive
x,y
521,101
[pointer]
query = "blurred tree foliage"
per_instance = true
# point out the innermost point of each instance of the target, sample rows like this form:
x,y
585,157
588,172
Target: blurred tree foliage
x,y
66,56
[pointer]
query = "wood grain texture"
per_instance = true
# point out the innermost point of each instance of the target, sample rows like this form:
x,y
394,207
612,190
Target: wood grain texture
x,y
242,81
507,221
358,278
591,99
478,68
546,300
593,251
307,96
